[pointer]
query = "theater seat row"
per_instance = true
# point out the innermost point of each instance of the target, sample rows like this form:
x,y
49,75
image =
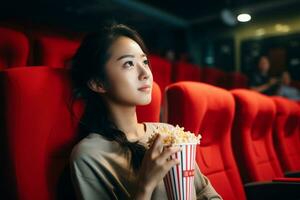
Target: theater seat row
x,y
55,51
38,130
238,130
208,111
18,49
287,134
165,73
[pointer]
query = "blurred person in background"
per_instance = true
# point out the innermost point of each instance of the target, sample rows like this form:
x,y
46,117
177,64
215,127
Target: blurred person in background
x,y
261,81
285,89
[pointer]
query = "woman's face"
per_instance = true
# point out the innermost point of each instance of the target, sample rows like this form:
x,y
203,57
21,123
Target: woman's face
x,y
129,77
286,79
264,64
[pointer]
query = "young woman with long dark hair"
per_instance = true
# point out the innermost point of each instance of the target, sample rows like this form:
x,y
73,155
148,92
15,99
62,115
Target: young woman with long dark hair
x,y
111,73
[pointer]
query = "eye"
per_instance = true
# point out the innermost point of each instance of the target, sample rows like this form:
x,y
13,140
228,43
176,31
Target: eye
x,y
128,64
146,62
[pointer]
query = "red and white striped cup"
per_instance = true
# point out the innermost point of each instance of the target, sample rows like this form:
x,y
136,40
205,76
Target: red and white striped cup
x,y
179,181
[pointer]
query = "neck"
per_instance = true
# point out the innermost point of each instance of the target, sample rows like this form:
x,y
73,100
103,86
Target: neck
x,y
264,73
125,118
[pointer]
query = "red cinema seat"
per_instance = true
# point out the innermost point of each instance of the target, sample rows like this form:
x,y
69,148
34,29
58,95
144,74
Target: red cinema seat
x,y
161,70
252,136
151,112
209,111
236,80
286,133
55,52
38,131
183,71
14,48
213,76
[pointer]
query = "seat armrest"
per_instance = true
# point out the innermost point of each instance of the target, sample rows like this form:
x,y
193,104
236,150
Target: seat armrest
x,y
272,190
293,174
283,179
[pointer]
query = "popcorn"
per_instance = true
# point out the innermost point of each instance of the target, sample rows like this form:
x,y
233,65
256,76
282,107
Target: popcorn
x,y
175,135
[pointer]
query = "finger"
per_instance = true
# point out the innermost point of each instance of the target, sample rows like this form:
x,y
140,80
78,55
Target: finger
x,y
157,144
167,152
171,163
168,146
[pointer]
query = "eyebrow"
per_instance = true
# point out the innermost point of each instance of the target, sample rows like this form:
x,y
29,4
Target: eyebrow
x,y
131,56
125,56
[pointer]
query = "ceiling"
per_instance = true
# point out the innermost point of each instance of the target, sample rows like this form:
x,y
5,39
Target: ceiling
x,y
145,14
193,9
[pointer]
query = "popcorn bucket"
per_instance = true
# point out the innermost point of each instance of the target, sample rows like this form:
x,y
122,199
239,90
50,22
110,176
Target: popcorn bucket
x,y
179,181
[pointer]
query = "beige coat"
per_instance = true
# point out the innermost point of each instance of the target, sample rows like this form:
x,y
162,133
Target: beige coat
x,y
100,170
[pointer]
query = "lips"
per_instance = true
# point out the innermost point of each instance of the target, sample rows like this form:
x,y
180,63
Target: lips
x,y
144,88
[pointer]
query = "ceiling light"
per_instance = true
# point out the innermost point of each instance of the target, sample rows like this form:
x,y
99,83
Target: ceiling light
x,y
260,32
282,28
243,17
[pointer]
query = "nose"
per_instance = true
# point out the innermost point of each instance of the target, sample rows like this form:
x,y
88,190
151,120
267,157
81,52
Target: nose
x,y
144,71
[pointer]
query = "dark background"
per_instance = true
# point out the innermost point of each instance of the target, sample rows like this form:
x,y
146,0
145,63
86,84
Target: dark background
x,y
195,29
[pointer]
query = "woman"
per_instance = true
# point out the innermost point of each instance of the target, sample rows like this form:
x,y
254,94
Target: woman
x,y
111,73
260,80
285,89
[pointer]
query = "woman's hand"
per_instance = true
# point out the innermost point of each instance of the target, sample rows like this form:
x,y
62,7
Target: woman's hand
x,y
154,167
273,81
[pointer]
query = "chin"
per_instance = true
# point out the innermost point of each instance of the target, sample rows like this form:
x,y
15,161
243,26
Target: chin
x,y
144,102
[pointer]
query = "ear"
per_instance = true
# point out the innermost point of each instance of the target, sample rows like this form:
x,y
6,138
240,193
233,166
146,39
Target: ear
x,y
96,86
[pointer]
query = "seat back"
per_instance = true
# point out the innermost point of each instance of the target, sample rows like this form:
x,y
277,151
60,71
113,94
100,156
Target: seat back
x,y
208,110
213,76
252,136
14,48
161,70
151,112
236,80
183,71
55,52
286,133
38,130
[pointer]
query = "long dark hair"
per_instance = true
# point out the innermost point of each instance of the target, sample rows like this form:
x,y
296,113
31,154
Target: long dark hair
x,y
89,64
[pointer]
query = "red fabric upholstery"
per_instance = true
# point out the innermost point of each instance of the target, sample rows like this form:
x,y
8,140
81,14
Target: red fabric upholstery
x,y
208,110
289,180
286,133
54,51
183,71
161,70
236,80
151,112
14,48
252,136
38,130
213,76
